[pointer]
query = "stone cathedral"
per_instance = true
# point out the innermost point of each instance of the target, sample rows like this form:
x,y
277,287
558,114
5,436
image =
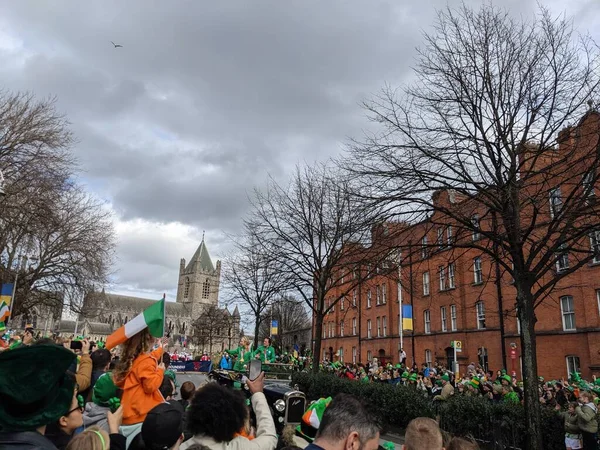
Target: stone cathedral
x,y
197,290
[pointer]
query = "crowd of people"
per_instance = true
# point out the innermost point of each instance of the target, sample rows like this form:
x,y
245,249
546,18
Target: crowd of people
x,y
55,394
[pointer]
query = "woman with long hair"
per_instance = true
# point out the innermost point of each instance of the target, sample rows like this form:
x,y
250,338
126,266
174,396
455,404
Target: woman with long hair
x,y
243,354
139,374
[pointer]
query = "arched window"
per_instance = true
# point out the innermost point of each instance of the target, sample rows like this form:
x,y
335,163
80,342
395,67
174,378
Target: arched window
x,y
206,288
186,291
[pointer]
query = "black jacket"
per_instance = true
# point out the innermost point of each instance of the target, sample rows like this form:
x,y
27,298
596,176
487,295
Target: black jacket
x,y
25,440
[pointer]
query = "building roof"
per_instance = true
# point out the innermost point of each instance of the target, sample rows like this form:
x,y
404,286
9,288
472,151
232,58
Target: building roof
x,y
201,259
236,312
139,304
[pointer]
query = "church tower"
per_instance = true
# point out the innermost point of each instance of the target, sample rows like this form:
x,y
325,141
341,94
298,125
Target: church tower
x,y
199,282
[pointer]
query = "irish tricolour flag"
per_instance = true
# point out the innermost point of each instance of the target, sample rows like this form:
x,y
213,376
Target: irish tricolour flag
x,y
152,318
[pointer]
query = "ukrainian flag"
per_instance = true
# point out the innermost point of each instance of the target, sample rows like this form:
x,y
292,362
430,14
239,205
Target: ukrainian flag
x,y
407,318
5,298
274,327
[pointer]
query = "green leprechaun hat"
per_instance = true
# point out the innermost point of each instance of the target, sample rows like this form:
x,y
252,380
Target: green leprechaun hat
x,y
475,382
34,393
412,377
311,419
575,377
104,390
446,377
404,375
507,378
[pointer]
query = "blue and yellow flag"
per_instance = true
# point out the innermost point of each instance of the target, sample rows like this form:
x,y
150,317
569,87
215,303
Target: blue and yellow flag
x,y
407,318
274,327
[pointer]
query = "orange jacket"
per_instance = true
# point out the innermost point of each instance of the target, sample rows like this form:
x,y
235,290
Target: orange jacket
x,y
140,387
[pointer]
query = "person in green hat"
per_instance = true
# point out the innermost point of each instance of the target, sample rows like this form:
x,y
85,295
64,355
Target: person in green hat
x,y
243,354
104,399
34,394
311,420
447,388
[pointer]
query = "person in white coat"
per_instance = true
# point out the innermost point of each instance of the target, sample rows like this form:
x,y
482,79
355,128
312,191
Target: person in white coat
x,y
218,418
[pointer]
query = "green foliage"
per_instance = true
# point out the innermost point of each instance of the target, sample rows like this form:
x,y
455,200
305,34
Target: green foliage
x,y
462,415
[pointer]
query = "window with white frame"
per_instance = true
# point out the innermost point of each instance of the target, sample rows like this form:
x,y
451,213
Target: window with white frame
x,y
384,325
384,293
567,308
325,328
377,295
378,327
342,354
354,326
573,364
475,224
453,325
588,186
369,355
477,272
562,258
555,202
354,297
353,355
440,238
369,328
444,318
442,272
424,248
369,298
427,321
428,359
480,307
449,235
451,270
333,329
425,283
595,245
342,328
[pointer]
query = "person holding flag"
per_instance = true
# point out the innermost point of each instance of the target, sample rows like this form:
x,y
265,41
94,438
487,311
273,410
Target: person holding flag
x,y
140,371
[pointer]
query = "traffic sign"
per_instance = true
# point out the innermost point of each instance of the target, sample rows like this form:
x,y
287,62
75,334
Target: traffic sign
x,y
457,345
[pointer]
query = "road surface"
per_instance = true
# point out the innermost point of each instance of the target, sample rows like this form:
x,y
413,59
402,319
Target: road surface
x,y
199,378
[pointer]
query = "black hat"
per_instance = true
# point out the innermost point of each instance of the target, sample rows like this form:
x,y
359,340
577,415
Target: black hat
x,y
163,426
35,389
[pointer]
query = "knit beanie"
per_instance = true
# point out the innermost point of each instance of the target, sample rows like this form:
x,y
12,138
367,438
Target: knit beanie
x,y
475,382
507,378
445,377
311,419
105,391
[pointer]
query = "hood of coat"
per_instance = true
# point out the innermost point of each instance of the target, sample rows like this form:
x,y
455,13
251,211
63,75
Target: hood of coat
x,y
93,414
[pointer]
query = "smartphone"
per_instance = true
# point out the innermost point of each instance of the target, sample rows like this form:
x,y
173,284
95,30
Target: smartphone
x,y
76,345
255,369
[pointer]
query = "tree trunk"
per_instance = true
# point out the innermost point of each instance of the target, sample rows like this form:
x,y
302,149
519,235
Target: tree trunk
x,y
530,377
257,323
317,347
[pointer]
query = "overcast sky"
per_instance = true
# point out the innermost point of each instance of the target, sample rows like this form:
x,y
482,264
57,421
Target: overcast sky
x,y
206,98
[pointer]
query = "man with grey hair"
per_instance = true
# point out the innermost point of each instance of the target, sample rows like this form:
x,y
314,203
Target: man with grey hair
x,y
347,425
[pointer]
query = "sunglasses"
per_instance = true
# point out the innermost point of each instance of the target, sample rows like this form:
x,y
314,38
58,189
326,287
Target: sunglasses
x,y
80,406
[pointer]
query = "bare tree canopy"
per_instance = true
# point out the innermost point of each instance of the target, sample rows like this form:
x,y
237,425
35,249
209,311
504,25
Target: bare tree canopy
x,y
213,323
290,314
252,275
488,122
66,235
317,233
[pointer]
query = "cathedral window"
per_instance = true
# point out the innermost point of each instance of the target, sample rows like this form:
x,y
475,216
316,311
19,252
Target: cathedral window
x,y
186,291
206,288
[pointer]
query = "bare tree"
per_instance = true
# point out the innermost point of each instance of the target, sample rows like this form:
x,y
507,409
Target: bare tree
x,y
290,314
481,122
213,323
316,233
66,234
252,275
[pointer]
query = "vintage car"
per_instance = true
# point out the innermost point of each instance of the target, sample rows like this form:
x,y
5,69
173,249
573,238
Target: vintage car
x,y
287,404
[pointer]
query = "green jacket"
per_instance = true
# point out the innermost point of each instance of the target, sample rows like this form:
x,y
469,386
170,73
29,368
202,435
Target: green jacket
x,y
267,354
243,358
570,422
586,418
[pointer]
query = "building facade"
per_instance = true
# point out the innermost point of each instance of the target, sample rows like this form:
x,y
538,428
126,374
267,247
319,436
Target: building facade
x,y
464,295
197,291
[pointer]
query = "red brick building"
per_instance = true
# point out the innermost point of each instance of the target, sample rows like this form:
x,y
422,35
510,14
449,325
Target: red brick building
x,y
456,295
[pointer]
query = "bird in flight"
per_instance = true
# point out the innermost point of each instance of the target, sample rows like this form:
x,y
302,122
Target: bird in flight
x,y
116,45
